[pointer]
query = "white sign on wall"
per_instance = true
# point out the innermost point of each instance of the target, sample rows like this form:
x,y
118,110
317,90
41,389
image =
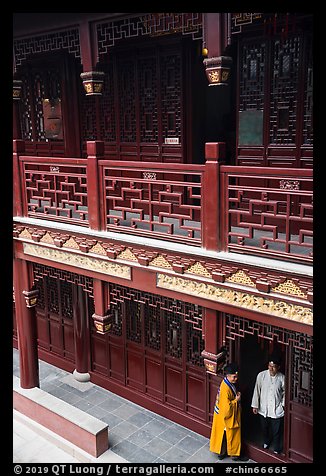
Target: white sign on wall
x,y
171,140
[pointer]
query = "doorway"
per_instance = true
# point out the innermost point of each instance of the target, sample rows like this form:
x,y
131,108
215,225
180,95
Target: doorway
x,y
254,354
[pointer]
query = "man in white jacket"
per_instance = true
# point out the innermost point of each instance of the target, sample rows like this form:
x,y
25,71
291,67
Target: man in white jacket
x,y
268,402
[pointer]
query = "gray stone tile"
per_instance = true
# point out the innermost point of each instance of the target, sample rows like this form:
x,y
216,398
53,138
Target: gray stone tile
x,y
58,392
95,397
155,427
96,412
162,419
203,455
83,405
190,444
139,419
114,439
71,398
125,429
125,411
47,386
140,438
141,456
125,449
175,455
160,460
111,419
157,446
174,434
110,404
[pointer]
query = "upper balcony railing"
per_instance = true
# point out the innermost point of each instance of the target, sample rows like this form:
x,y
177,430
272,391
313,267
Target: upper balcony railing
x,y
251,210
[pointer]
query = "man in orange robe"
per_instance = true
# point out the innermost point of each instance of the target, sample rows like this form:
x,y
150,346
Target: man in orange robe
x,y
226,429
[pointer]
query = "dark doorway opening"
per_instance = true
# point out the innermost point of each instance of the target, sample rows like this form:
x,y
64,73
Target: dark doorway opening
x,y
254,354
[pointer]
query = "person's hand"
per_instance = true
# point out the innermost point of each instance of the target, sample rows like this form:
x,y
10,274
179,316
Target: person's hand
x,y
238,396
255,411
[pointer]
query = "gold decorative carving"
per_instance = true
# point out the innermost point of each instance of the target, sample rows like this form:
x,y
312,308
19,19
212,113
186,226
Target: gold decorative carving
x,y
98,249
199,270
78,260
289,287
160,262
25,234
127,255
236,298
241,277
71,243
47,238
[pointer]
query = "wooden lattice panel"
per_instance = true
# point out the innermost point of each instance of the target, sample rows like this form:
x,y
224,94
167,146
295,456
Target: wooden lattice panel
x,y
154,24
302,377
284,88
238,327
156,206
252,76
40,272
56,191
155,311
57,41
276,216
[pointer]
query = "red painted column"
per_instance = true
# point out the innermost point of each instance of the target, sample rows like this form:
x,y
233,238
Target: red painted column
x,y
81,331
18,149
26,326
214,354
102,317
214,153
95,151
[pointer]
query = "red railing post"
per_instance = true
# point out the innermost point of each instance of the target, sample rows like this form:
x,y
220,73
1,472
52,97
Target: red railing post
x,y
95,151
214,154
18,149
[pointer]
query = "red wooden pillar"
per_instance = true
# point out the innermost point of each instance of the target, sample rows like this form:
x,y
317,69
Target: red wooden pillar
x,y
18,149
214,153
25,301
214,354
95,151
81,330
92,80
217,27
101,318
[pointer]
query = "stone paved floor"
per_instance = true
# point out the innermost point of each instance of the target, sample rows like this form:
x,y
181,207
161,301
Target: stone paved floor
x,y
135,434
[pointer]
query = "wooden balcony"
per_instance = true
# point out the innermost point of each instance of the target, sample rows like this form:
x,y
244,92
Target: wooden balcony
x,y
250,210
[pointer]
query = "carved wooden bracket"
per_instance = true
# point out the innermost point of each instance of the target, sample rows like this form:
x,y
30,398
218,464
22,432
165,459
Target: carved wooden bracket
x,y
103,324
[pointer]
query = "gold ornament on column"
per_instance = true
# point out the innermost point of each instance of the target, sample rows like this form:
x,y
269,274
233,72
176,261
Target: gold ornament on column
x,y
93,82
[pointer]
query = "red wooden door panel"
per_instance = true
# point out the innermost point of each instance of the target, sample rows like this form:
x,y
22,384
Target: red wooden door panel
x,y
135,369
174,386
154,377
154,349
99,354
196,396
54,317
117,359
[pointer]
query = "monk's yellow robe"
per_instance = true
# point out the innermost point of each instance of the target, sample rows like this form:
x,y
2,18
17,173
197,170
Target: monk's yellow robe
x,y
227,416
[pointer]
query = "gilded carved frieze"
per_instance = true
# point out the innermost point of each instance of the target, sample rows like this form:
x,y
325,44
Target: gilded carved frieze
x,y
208,270
78,260
47,238
241,278
160,262
236,298
127,255
71,243
289,287
199,270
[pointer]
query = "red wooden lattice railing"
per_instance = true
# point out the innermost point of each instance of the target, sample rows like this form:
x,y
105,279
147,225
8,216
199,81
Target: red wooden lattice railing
x,y
263,211
154,199
267,211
